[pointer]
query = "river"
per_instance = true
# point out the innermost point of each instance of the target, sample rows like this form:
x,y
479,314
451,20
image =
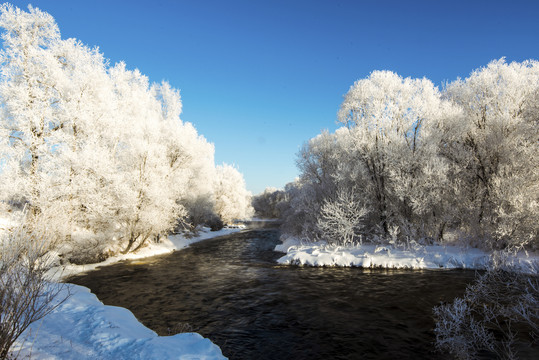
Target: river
x,y
231,290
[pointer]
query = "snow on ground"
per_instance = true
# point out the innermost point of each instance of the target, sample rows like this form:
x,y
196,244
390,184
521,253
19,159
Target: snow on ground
x,y
83,328
387,256
165,246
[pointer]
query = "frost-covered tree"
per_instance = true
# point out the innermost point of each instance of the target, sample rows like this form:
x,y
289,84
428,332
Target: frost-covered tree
x,y
318,161
394,124
86,192
430,165
97,150
494,150
232,200
191,157
54,108
271,203
148,207
296,217
29,93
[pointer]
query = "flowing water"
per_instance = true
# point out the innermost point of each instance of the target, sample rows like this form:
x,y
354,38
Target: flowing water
x,y
232,290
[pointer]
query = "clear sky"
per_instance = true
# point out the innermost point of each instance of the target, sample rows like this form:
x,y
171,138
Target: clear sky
x,y
259,78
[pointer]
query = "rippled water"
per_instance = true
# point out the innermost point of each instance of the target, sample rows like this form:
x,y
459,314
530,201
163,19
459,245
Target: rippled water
x,y
232,290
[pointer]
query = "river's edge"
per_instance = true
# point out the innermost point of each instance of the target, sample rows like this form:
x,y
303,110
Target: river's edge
x,y
415,257
82,327
166,245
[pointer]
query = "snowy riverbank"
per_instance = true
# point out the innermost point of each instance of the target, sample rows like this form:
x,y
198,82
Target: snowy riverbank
x,y
165,246
386,256
83,328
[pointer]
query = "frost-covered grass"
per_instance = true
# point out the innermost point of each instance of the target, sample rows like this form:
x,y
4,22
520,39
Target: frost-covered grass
x,y
388,256
83,328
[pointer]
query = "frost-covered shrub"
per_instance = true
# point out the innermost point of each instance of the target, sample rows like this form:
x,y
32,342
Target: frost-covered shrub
x,y
214,222
26,295
340,218
498,314
200,210
87,247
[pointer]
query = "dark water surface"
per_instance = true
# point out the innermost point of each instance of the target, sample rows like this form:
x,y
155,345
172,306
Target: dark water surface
x,y
231,290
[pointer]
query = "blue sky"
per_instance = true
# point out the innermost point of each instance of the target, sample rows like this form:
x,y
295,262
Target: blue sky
x,y
259,78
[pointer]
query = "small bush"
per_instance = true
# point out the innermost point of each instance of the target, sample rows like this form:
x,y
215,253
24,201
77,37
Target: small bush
x,y
25,293
498,315
214,223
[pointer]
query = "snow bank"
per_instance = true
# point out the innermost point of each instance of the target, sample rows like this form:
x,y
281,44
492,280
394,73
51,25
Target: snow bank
x,y
416,257
83,328
165,246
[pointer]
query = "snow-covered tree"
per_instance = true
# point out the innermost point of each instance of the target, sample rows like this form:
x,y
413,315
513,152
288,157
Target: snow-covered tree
x,y
232,200
394,126
430,165
97,150
495,152
271,203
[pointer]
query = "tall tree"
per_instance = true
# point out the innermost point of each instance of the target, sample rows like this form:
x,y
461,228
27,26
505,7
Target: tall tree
x,y
496,151
393,124
232,200
29,92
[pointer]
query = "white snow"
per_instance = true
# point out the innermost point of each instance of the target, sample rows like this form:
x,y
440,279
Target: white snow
x,y
388,256
83,328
